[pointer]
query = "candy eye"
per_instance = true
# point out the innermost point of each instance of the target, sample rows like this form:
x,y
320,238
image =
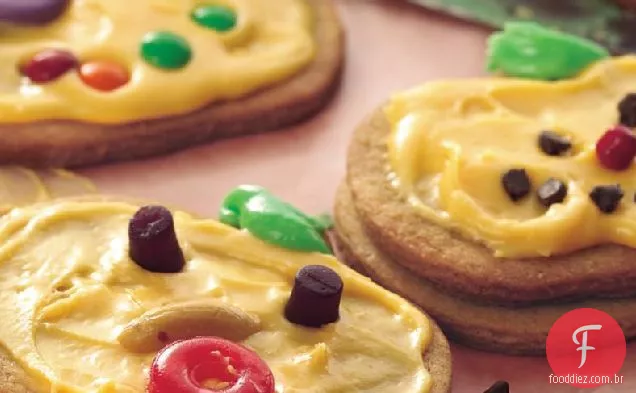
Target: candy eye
x,y
153,243
209,364
315,297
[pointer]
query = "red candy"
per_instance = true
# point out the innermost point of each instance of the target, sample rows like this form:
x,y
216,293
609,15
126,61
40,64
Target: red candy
x,y
209,364
49,65
616,149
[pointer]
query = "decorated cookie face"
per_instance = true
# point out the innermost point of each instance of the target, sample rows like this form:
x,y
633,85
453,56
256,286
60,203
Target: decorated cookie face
x,y
529,168
92,309
112,61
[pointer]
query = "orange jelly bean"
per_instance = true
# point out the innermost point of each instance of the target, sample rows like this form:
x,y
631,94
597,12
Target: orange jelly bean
x,y
104,75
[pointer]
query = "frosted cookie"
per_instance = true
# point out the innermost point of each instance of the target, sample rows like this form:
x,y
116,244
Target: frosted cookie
x,y
22,186
89,81
111,296
498,204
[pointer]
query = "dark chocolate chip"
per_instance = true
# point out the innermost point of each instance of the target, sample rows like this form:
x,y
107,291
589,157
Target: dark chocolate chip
x,y
607,197
516,183
499,387
152,241
551,192
627,110
315,297
553,144
32,12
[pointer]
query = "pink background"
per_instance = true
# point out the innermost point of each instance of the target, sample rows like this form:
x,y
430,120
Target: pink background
x,y
390,46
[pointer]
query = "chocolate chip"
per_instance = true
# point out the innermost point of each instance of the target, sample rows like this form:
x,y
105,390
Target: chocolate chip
x,y
152,241
627,110
499,387
516,183
553,144
315,297
607,197
551,192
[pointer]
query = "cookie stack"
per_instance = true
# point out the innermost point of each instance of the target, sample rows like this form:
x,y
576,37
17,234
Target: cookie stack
x,y
496,204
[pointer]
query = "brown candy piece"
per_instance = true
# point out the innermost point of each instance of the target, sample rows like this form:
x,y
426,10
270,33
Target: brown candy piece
x,y
153,243
315,297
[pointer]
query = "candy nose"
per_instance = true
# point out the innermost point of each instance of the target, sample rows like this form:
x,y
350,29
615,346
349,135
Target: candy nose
x,y
31,12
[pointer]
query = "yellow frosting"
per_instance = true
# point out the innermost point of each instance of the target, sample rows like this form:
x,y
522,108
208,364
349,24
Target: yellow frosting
x,y
22,186
451,141
272,41
68,288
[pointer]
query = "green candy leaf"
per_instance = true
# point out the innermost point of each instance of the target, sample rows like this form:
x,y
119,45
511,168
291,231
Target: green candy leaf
x,y
279,223
528,50
233,202
322,222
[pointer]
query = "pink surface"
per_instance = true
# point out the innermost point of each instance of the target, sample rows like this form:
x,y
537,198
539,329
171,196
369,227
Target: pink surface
x,y
391,47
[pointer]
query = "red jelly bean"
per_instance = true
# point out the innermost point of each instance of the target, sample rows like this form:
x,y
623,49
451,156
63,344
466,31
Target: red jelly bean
x,y
616,149
48,65
209,364
104,75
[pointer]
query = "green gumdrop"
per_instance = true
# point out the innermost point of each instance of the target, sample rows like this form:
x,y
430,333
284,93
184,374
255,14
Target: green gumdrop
x,y
230,211
274,222
528,50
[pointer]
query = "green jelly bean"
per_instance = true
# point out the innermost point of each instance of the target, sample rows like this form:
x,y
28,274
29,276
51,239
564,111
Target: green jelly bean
x,y
234,201
215,17
276,222
528,50
166,50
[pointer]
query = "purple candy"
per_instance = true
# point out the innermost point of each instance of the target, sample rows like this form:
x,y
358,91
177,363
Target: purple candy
x,y
31,12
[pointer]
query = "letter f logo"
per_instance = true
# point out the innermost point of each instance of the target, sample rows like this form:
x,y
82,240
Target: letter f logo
x,y
583,343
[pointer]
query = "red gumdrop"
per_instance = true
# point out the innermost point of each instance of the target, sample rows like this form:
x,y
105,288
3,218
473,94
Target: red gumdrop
x,y
209,364
616,149
49,65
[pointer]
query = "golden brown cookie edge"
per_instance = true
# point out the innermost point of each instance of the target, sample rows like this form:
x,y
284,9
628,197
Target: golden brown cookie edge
x,y
514,331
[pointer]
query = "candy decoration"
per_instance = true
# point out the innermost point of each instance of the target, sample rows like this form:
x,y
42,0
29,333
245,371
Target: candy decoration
x,y
616,149
48,65
607,197
166,50
104,75
215,17
209,364
553,144
153,243
315,297
272,220
551,192
499,387
627,110
275,222
234,202
528,50
31,12
516,183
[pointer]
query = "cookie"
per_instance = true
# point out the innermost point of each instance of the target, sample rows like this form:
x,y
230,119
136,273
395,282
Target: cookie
x,y
440,203
213,302
471,323
124,90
